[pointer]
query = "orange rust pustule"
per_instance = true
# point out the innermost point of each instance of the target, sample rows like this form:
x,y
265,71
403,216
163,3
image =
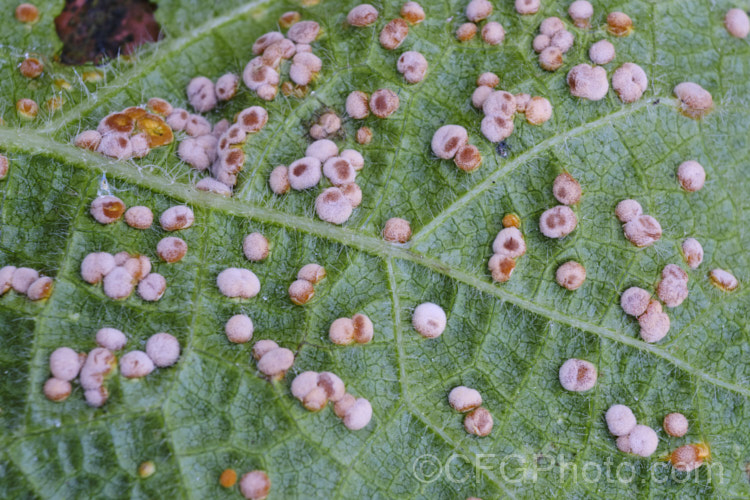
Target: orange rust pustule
x,y
156,129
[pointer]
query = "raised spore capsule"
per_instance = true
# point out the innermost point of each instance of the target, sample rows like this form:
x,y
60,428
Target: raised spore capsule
x,y
540,43
468,158
152,287
96,397
27,13
6,278
315,400
654,323
171,249
634,301
255,247
563,40
136,364
551,58
342,331
139,217
527,7
332,206
261,347
737,23
213,186
313,273
330,123
692,250
309,60
301,292
570,275
412,12
696,101
566,189
31,67
580,12
57,390
690,456
464,399
339,171
522,103
266,40
602,52
95,266
303,32
643,441
497,128
691,175
322,149
255,485
509,242
672,289
252,119
289,18
4,166
99,363
116,123
466,32
393,34
577,375
107,209
353,157
357,105
159,106
588,82
384,102
364,135
447,140
276,362
111,338
538,109
397,230
176,218
64,363
551,25
237,282
163,349
488,79
723,280
118,283
493,33
675,424
362,15
358,415
480,96
501,267
239,329
197,126
479,422
363,328
256,75
629,81
303,384
412,65
332,385
201,94
478,10
619,24
27,108
558,222
628,210
278,181
353,193
620,420
642,231
342,405
177,119
429,320
623,444
40,289
500,103
191,152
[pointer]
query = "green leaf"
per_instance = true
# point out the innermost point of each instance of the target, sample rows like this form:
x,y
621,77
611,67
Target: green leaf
x,y
214,411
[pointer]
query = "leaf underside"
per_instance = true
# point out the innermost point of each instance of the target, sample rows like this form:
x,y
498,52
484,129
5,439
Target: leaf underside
x,y
214,411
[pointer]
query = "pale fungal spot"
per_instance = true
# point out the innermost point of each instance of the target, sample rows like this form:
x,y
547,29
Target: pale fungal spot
x,y
628,210
159,106
691,175
139,217
412,12
509,242
201,94
643,441
255,247
501,267
588,82
540,43
566,189
313,273
40,289
289,18
468,158
118,283
95,266
654,323
364,135
177,119
115,146
237,282
278,181
341,331
303,384
255,485
99,363
358,415
602,52
737,23
558,222
343,405
563,40
22,279
308,60
478,10
479,422
111,338
362,15
332,206
107,209
497,128
629,81
580,12
623,444
239,329
393,34
397,230
723,280
480,95
136,364
642,231
64,363
466,32
412,65
27,108
363,328
447,140
634,301
551,25
303,32
27,13
96,397
252,119
315,399
353,193
619,24
675,424
339,171
191,152
538,110
57,390
689,457
213,186
383,103
332,385
276,362
322,150
696,101
197,126
163,349
266,40
692,250
527,7
551,58
176,218
354,157
500,103
672,289
577,375
429,320
620,420
522,102
493,33
6,278
226,86
4,166
171,249
570,275
301,292
262,347
256,75
357,105
488,79
464,399
152,287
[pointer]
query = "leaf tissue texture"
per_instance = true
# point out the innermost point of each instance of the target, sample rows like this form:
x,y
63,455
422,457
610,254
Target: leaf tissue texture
x,y
214,410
